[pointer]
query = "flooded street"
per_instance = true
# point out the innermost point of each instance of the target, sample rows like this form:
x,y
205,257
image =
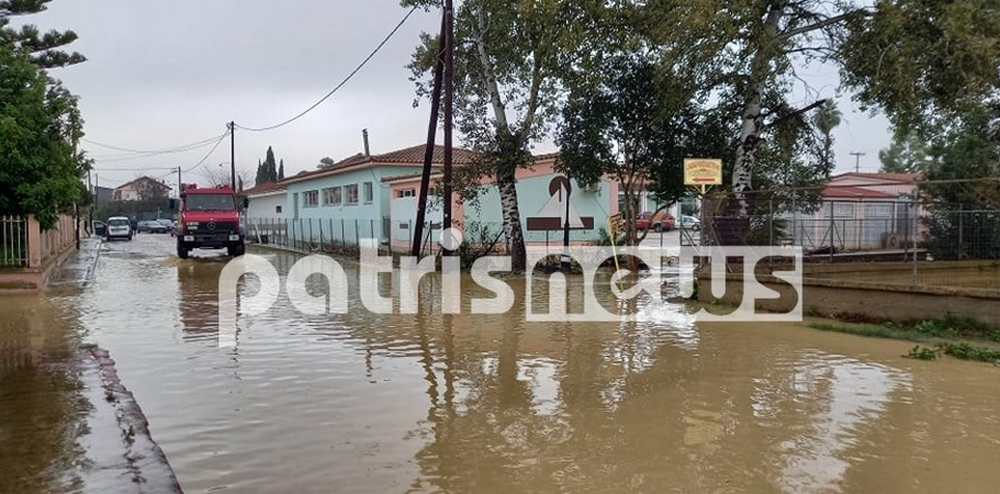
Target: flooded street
x,y
479,403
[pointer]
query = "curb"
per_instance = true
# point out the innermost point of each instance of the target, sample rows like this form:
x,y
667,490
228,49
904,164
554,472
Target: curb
x,y
147,465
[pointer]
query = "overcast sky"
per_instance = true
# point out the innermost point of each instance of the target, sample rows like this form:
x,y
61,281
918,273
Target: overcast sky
x,y
164,74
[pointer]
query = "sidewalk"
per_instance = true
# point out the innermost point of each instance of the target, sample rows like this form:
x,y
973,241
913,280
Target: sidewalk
x,y
78,269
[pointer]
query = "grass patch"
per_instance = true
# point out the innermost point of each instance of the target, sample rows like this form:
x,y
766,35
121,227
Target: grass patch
x,y
931,331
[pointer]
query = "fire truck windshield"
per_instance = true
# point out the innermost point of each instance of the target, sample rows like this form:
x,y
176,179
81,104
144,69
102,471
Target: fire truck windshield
x,y
210,202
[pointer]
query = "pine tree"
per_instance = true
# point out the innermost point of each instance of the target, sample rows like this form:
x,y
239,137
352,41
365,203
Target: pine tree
x,y
42,48
270,168
259,179
281,170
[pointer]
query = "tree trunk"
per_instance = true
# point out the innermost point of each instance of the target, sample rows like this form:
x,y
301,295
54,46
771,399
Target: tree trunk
x,y
505,179
735,224
512,222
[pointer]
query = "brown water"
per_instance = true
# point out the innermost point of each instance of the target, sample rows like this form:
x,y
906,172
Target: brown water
x,y
431,403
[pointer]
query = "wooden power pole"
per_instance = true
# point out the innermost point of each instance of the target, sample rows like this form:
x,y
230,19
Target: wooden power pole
x,y
425,178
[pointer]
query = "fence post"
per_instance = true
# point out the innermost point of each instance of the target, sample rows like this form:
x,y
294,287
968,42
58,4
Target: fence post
x,y
833,228
34,241
357,233
961,221
770,222
916,215
343,232
312,236
371,228
320,233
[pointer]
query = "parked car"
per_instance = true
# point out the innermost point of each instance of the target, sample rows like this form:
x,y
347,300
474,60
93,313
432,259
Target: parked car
x,y
152,226
100,229
663,221
118,227
688,222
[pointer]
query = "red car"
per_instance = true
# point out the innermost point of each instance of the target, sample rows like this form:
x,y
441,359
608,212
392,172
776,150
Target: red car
x,y
663,222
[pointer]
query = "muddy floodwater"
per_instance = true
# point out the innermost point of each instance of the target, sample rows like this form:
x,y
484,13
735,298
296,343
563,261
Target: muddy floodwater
x,y
370,403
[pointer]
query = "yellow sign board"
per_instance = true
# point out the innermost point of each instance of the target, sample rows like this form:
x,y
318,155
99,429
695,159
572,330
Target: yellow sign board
x,y
702,172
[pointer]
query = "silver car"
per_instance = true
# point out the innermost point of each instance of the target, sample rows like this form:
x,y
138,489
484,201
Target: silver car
x,y
118,227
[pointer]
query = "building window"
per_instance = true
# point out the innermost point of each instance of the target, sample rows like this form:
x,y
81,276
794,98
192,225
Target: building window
x,y
352,193
406,193
369,193
277,209
331,196
310,199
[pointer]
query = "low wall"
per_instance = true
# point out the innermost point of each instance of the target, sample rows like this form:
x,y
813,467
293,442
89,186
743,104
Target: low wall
x,y
47,250
830,296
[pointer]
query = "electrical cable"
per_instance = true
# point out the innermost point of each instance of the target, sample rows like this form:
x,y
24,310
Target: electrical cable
x,y
175,149
216,146
342,83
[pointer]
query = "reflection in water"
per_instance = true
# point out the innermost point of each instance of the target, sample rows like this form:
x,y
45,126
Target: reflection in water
x,y
426,402
43,414
839,397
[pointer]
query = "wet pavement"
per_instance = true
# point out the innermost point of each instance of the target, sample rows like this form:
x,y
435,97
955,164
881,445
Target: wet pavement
x,y
362,402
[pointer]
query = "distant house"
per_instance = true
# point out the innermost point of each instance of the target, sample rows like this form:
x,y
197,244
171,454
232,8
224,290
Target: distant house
x,y
862,211
141,189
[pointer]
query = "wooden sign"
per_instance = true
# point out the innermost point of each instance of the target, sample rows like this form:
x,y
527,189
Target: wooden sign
x,y
702,172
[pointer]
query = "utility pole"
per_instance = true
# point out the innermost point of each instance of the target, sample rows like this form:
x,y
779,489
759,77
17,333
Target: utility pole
x,y
425,178
448,116
857,161
565,257
232,152
93,202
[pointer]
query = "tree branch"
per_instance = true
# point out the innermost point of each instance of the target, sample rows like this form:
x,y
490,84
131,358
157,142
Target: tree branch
x,y
795,113
820,25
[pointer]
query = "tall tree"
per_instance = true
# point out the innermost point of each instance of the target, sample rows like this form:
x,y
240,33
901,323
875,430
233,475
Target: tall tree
x,y
506,63
281,170
746,53
40,172
44,49
826,118
621,127
270,167
326,161
912,58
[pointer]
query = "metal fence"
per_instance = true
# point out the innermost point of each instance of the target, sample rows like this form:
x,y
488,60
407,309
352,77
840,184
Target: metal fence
x,y
13,241
920,234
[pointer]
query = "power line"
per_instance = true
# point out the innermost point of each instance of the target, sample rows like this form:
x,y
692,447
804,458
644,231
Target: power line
x,y
342,83
216,146
175,149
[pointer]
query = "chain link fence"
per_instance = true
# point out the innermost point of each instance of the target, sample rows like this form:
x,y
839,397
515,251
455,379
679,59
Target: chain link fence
x,y
944,234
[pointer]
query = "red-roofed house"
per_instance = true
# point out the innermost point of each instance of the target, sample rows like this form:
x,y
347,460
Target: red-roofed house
x,y
862,211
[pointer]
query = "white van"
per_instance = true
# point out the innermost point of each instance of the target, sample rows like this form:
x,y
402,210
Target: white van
x,y
118,227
